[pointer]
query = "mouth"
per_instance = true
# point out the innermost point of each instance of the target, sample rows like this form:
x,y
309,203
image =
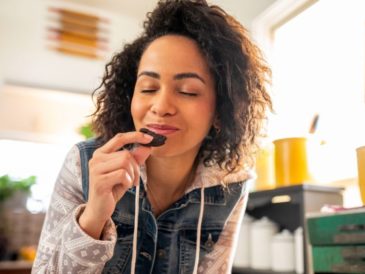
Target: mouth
x,y
162,129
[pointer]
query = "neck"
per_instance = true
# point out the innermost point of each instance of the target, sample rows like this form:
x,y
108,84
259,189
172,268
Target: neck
x,y
170,176
168,179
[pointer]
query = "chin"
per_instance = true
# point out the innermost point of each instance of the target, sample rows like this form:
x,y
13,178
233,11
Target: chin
x,y
169,151
162,151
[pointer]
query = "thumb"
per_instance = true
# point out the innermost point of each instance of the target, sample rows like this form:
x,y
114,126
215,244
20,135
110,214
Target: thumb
x,y
141,153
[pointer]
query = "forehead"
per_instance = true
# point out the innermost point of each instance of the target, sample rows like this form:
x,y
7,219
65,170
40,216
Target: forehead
x,y
174,52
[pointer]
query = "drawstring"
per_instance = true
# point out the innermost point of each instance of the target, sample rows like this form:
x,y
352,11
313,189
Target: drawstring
x,y
134,252
199,228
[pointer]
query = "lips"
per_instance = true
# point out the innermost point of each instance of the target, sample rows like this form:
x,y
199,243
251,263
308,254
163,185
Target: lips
x,y
162,129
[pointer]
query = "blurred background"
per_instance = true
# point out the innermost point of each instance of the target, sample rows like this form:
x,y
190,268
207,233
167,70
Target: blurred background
x,y
50,62
53,54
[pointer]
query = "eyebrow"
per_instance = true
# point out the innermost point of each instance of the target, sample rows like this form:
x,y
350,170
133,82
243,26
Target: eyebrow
x,y
178,76
150,74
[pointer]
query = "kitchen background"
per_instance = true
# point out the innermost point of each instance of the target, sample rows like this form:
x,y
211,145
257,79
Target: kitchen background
x,y
48,72
45,94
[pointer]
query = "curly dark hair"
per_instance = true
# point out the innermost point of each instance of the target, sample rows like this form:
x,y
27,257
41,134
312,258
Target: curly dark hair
x,y
240,73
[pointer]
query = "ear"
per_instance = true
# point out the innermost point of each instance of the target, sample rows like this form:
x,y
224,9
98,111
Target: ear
x,y
217,124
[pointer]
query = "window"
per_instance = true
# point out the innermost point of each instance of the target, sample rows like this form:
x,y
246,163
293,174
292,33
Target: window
x,y
21,159
317,53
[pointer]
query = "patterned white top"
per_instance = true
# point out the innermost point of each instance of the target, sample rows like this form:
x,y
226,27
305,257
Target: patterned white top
x,y
65,248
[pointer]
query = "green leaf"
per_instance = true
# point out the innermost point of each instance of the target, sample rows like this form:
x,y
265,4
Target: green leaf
x,y
8,186
86,131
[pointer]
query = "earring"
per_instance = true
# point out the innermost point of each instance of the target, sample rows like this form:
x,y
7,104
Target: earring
x,y
210,134
217,126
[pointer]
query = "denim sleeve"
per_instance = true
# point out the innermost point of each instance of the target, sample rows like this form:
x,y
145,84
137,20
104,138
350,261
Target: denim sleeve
x,y
220,260
64,247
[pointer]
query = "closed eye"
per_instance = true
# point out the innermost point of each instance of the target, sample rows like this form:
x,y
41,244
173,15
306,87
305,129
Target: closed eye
x,y
188,93
148,90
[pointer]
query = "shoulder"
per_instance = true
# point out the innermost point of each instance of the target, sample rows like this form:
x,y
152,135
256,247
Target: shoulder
x,y
87,148
72,157
78,155
92,143
215,176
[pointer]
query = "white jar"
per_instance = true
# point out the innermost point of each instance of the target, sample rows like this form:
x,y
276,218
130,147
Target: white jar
x,y
242,257
262,232
299,250
282,248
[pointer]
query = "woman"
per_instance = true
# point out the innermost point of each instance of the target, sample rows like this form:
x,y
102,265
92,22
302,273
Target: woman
x,y
120,206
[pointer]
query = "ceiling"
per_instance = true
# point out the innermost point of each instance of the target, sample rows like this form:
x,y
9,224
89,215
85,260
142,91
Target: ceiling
x,y
135,8
243,10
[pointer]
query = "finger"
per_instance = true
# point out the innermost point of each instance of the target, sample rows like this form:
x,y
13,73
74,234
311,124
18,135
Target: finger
x,y
122,139
117,160
119,177
129,164
118,192
141,154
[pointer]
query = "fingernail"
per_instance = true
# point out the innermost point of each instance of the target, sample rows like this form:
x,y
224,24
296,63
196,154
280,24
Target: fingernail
x,y
148,137
129,178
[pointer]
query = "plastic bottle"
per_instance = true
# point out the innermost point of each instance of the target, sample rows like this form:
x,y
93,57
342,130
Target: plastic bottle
x,y
282,248
242,258
262,232
299,250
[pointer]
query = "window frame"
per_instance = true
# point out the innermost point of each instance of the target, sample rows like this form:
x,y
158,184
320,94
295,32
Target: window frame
x,y
280,12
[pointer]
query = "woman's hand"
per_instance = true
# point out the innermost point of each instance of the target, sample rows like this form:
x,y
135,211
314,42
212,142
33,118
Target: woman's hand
x,y
111,173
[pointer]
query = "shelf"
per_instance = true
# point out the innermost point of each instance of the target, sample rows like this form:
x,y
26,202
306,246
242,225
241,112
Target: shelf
x,y
15,267
288,207
263,197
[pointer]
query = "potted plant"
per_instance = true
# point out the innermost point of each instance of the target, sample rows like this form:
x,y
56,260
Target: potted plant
x,y
14,192
86,131
13,196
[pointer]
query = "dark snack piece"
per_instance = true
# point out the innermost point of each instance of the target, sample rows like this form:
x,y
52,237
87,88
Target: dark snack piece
x,y
158,140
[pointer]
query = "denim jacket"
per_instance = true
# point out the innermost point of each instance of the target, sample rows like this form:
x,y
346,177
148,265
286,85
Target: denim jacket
x,y
166,244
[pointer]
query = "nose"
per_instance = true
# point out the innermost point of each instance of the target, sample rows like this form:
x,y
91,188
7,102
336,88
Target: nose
x,y
164,103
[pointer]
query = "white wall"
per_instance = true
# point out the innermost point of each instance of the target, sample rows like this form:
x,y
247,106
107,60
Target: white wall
x,y
244,10
25,59
41,115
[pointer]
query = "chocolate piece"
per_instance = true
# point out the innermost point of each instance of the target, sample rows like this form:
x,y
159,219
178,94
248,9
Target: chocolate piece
x,y
158,139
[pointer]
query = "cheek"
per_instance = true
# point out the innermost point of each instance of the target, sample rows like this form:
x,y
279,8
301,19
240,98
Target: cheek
x,y
136,109
203,116
210,110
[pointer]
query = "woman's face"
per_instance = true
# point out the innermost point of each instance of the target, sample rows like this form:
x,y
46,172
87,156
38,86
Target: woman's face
x,y
174,95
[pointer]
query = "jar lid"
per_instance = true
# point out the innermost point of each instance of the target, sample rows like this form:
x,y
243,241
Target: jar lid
x,y
283,236
264,222
248,219
298,231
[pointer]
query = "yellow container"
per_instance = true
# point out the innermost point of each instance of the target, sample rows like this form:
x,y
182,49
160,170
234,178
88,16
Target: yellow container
x,y
265,168
361,171
291,161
